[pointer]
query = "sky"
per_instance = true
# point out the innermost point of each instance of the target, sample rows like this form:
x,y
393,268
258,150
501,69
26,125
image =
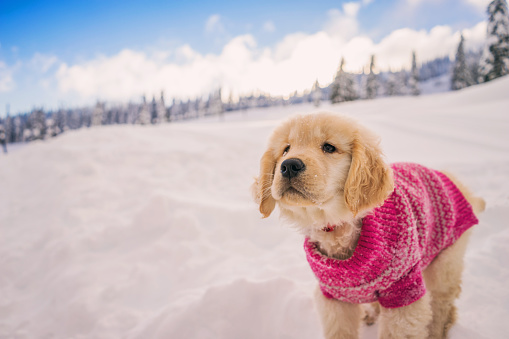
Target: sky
x,y
61,54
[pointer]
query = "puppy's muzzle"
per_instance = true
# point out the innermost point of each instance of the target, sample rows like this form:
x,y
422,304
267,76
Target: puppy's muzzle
x,y
290,168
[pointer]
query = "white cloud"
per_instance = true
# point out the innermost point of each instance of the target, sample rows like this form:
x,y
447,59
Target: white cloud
x,y
480,5
292,64
42,63
475,36
414,3
214,24
269,27
343,24
351,8
6,81
185,54
284,49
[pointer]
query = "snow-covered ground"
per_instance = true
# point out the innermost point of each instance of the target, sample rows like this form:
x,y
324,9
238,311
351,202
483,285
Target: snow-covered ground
x,y
150,232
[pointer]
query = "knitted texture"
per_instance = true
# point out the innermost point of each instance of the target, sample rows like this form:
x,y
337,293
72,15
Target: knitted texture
x,y
424,214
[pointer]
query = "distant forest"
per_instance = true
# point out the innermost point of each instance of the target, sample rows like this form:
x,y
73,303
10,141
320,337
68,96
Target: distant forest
x,y
465,70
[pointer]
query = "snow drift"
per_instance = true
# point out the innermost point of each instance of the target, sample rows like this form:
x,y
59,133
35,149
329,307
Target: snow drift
x,y
150,232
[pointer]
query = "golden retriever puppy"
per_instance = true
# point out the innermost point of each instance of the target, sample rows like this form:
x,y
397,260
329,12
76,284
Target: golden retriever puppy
x,y
389,237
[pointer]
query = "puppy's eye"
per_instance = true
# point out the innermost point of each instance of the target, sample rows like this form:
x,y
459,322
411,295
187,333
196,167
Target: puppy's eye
x,y
328,148
286,150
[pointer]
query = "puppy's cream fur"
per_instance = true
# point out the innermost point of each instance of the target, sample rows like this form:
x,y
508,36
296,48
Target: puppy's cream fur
x,y
340,188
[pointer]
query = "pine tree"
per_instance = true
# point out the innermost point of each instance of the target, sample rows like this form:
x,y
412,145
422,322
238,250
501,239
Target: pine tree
x,y
3,138
473,60
76,117
372,81
174,110
413,81
215,103
343,87
19,129
144,114
132,113
316,93
52,128
461,76
394,84
61,121
153,111
38,124
98,114
9,129
495,59
230,106
161,109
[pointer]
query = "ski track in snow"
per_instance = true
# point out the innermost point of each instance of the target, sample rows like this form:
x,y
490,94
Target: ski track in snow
x,y
150,232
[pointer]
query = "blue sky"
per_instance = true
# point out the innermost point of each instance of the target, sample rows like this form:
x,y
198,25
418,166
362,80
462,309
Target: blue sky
x,y
46,47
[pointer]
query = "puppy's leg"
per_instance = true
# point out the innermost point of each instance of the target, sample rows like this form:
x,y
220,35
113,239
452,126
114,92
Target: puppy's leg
x,y
371,313
340,320
406,322
443,280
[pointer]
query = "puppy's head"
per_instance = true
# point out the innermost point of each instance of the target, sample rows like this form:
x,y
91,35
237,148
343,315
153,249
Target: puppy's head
x,y
322,162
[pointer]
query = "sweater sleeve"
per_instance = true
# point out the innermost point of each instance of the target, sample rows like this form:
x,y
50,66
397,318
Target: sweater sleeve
x,y
404,291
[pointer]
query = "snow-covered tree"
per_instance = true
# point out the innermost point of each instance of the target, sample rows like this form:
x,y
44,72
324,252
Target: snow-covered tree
x,y
191,108
413,81
52,128
131,113
9,129
343,87
372,81
461,77
230,105
153,111
98,114
434,68
316,93
203,107
76,118
144,115
61,121
394,84
161,109
19,129
473,59
38,124
116,115
174,110
3,138
215,104
495,59
27,134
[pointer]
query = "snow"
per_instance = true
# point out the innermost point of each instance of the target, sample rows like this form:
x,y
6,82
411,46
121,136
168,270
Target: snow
x,y
150,231
438,84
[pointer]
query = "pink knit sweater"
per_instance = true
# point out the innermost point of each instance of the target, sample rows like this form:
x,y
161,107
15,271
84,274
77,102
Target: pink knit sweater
x,y
425,214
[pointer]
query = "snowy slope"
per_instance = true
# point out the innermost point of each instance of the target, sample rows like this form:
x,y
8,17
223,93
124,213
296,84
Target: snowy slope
x,y
150,232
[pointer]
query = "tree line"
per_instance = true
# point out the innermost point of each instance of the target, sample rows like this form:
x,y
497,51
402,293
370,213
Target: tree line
x,y
494,60
466,70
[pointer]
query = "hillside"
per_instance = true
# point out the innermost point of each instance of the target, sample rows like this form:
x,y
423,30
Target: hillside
x,y
150,231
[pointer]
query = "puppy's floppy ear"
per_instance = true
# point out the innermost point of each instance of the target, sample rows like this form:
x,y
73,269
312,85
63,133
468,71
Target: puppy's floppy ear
x,y
261,187
369,180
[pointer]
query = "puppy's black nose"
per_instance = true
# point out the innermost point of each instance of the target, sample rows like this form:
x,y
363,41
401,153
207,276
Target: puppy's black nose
x,y
292,167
